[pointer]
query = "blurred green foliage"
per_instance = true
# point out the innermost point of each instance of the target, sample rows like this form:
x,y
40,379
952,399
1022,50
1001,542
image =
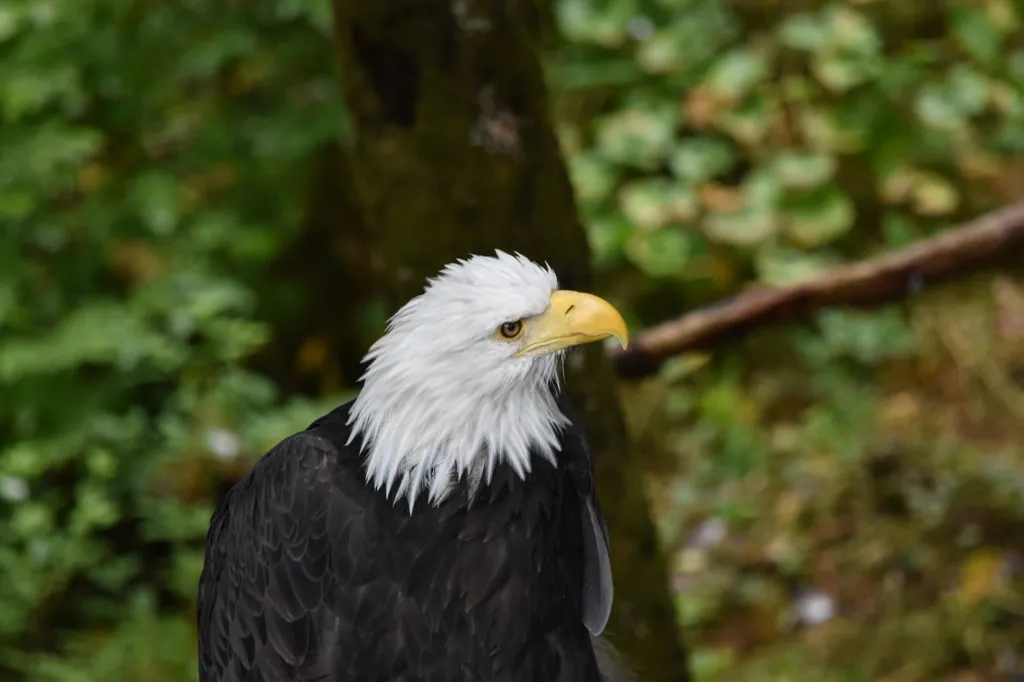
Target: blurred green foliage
x,y
153,163
842,500
720,141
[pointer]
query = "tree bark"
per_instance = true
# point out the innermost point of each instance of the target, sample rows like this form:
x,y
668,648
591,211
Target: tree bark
x,y
319,342
454,154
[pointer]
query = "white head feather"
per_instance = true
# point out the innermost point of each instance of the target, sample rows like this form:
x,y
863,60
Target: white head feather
x,y
443,399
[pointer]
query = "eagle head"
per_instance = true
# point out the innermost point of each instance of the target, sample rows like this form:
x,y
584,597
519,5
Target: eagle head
x,y
466,374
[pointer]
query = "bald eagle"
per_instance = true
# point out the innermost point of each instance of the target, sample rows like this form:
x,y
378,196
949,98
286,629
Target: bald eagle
x,y
442,526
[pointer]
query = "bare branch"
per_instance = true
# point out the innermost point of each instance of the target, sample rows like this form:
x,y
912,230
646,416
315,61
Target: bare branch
x,y
887,277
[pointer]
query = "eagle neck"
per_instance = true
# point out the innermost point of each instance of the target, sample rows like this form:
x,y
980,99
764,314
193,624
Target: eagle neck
x,y
430,438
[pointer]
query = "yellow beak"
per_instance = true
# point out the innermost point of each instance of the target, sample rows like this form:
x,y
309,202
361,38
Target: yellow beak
x,y
572,318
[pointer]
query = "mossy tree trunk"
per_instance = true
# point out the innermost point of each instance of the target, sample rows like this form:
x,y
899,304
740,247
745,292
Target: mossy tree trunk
x,y
320,340
454,154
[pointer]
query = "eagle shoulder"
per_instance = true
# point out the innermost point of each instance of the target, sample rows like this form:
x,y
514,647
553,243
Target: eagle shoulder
x,y
266,590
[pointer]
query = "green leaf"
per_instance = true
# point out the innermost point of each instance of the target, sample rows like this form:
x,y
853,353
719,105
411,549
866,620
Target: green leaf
x,y
934,195
1009,137
318,14
707,662
688,39
155,196
593,177
868,337
818,218
803,170
1015,66
1007,101
638,137
30,519
977,34
852,32
828,130
234,340
781,266
607,234
899,230
11,18
101,332
749,123
661,253
26,91
601,22
762,190
16,204
968,90
747,227
205,59
594,71
840,73
935,109
736,73
48,153
803,32
93,510
671,49
698,159
652,203
902,75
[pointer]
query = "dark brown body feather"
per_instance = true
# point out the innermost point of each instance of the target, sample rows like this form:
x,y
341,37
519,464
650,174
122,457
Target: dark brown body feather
x,y
311,574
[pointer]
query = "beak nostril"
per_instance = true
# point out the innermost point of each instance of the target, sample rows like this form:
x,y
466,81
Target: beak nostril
x,y
569,309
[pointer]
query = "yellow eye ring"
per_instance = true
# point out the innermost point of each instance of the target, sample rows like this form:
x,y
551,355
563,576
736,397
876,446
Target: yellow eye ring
x,y
511,330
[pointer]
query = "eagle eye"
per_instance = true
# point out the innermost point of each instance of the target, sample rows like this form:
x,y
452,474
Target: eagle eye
x,y
511,330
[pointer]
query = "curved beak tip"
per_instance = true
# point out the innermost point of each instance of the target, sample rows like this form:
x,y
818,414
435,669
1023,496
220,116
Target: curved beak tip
x,y
594,316
575,318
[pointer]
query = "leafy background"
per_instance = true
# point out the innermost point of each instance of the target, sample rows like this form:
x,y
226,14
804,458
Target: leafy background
x,y
842,500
